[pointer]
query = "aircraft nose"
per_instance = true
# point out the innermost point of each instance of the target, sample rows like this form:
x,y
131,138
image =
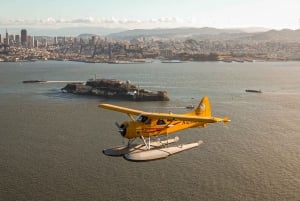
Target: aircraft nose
x,y
122,130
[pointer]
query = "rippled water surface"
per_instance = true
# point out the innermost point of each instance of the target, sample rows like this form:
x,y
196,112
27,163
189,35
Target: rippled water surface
x,y
51,143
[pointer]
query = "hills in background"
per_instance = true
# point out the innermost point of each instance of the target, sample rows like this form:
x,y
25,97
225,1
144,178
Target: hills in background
x,y
205,33
181,32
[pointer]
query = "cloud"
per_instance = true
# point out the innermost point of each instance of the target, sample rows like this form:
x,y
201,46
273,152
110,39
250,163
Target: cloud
x,y
85,20
91,21
49,20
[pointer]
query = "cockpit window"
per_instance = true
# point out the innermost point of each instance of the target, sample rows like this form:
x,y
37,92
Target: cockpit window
x,y
148,121
142,118
160,122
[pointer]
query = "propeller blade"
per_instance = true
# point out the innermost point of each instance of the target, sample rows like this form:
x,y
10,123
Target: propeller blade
x,y
117,124
121,128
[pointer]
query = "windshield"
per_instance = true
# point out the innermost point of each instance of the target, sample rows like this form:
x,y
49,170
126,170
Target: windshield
x,y
141,118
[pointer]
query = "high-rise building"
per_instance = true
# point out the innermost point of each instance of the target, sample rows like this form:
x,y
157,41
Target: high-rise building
x,y
30,41
17,40
6,38
93,40
11,38
36,43
55,41
44,43
24,37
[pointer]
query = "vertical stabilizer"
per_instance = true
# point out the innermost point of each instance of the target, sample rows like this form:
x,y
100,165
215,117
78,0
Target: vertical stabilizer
x,y
203,108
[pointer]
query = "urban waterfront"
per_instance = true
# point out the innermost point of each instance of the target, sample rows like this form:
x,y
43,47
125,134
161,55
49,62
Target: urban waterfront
x,y
51,143
200,44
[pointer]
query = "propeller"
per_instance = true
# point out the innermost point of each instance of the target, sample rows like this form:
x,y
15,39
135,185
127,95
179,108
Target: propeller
x,y
121,128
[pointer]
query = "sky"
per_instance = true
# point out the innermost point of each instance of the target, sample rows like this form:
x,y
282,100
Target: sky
x,y
148,14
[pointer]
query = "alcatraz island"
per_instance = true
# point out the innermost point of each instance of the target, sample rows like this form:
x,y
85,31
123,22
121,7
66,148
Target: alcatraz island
x,y
168,45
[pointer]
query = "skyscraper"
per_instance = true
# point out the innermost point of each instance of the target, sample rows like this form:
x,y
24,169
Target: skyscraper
x,y
6,38
24,37
17,40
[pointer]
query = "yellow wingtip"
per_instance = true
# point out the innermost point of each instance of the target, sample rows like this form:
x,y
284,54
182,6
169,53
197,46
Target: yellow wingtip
x,y
226,120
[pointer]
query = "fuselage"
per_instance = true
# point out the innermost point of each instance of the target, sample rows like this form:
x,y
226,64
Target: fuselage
x,y
149,124
146,127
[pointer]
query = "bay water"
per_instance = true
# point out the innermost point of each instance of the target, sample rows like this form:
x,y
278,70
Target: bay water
x,y
51,143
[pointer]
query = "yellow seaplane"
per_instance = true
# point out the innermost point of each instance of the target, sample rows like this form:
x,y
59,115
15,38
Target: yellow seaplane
x,y
148,125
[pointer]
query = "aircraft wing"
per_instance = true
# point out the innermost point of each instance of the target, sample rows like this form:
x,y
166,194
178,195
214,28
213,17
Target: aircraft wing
x,y
121,109
170,116
182,117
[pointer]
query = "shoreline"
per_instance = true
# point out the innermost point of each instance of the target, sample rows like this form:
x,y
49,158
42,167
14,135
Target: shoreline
x,y
146,62
37,54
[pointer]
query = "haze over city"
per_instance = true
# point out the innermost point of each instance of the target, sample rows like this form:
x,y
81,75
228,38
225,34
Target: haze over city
x,y
135,14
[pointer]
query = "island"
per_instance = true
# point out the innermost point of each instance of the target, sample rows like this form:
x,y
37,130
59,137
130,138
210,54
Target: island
x,y
117,89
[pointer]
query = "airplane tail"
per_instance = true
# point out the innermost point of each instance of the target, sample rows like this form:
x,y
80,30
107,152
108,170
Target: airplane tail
x,y
203,108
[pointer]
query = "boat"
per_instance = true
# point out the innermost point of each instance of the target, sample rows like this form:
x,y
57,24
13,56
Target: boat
x,y
172,61
33,81
117,89
190,107
253,91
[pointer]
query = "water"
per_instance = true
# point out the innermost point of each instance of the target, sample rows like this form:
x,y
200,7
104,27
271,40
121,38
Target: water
x,y
51,143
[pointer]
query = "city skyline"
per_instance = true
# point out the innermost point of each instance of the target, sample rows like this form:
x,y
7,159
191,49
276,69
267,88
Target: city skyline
x,y
135,14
